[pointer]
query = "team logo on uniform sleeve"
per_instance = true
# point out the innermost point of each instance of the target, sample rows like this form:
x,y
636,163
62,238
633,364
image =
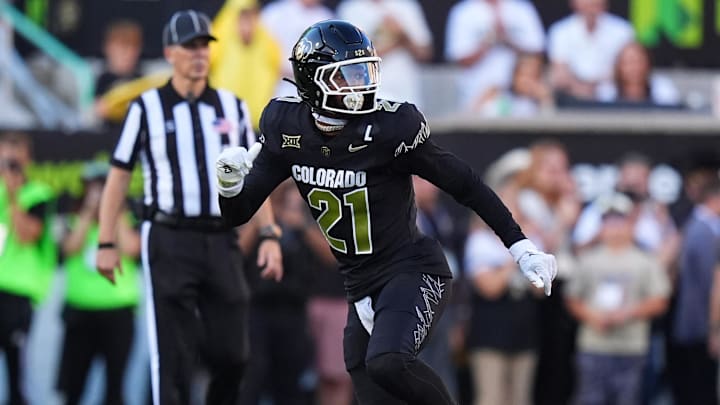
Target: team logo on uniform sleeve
x,y
262,138
290,141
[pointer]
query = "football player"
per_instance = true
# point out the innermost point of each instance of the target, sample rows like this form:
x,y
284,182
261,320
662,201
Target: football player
x,y
352,157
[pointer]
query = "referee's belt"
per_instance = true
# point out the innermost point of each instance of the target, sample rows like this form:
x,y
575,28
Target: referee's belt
x,y
203,224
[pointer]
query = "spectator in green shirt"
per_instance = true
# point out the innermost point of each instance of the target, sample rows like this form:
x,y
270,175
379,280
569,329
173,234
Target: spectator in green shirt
x,y
27,252
99,316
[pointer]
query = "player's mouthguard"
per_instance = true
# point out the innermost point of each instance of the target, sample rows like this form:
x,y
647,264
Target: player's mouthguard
x,y
353,101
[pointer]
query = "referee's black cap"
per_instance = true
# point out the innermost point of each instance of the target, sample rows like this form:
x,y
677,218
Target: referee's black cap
x,y
186,25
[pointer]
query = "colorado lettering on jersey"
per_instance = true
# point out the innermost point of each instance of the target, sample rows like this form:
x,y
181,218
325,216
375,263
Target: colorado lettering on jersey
x,y
422,136
329,178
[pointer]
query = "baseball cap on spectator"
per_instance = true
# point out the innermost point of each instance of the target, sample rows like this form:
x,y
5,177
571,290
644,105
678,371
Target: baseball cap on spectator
x,y
615,204
507,166
185,26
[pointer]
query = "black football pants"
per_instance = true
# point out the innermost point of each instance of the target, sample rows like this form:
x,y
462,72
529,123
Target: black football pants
x,y
383,362
197,295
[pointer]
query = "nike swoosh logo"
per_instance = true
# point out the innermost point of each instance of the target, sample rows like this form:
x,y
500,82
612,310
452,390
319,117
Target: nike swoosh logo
x,y
356,148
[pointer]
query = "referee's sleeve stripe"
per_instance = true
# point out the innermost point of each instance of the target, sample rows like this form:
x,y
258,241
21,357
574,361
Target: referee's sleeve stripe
x,y
245,114
122,165
129,137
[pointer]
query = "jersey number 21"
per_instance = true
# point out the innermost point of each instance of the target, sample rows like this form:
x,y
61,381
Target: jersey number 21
x,y
332,213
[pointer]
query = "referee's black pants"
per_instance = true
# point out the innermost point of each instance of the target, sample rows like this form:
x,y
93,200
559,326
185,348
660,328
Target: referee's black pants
x,y
197,294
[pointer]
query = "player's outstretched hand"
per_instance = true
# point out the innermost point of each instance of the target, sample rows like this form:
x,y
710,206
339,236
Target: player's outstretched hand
x,y
232,166
539,267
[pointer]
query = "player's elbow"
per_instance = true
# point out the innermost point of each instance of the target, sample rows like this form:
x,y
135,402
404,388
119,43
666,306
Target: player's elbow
x,y
233,211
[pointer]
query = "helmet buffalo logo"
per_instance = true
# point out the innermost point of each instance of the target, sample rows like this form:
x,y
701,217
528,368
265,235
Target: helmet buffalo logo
x,y
303,49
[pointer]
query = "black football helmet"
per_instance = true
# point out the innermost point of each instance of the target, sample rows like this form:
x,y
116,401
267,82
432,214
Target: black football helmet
x,y
336,68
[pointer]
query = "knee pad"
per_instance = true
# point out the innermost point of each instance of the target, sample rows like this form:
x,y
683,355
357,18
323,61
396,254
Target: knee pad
x,y
409,379
383,369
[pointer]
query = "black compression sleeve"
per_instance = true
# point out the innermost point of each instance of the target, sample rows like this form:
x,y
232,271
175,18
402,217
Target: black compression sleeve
x,y
455,177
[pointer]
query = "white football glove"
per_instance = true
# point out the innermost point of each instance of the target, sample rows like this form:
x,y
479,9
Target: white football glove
x,y
539,267
232,166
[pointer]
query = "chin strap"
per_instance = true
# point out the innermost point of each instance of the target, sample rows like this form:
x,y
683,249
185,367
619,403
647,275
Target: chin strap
x,y
329,124
290,81
323,123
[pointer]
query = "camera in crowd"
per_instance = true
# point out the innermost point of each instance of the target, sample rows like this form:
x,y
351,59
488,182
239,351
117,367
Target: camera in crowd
x,y
10,165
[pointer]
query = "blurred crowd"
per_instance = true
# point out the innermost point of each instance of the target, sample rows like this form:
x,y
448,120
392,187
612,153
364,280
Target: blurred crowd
x,y
499,58
634,317
633,313
508,63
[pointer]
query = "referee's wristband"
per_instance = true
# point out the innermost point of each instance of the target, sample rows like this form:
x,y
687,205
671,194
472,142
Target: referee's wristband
x,y
264,238
272,232
106,245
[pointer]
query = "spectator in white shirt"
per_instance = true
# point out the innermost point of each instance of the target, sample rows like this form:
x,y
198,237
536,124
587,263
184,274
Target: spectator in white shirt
x,y
286,20
655,230
528,95
484,37
502,358
583,48
635,82
401,37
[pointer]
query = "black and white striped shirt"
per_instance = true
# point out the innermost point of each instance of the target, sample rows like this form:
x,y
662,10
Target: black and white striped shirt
x,y
178,142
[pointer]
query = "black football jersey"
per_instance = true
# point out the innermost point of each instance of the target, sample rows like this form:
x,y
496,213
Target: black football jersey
x,y
358,185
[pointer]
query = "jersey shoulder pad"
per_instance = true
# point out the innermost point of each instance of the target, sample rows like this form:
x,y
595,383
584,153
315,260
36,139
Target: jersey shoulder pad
x,y
404,114
268,125
279,116
411,129
288,99
277,109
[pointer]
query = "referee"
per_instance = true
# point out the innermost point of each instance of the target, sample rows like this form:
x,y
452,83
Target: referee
x,y
194,280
